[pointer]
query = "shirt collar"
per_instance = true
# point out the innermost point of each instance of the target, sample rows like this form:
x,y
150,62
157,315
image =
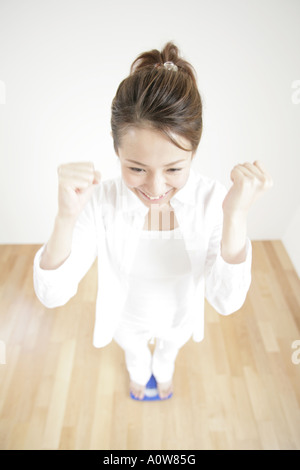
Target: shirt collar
x,y
186,195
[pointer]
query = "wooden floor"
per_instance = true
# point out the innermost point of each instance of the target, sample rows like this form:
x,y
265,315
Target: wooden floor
x,y
238,389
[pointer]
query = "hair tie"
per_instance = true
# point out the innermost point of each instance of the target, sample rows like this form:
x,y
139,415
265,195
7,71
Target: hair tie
x,y
170,66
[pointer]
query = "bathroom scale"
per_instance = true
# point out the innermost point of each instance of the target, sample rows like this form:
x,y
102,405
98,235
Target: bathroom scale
x,y
151,392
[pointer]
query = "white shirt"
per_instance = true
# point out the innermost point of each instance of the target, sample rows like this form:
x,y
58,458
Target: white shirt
x,y
160,287
110,227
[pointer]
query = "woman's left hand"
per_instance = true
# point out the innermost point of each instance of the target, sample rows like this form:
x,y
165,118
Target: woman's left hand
x,y
250,181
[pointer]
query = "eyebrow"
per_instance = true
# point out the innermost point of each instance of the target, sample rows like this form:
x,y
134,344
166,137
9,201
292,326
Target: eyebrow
x,y
141,164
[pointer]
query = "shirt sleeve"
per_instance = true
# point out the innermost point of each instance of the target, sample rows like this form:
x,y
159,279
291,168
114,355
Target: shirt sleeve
x,y
54,287
226,285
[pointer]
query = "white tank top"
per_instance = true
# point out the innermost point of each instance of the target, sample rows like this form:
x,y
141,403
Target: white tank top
x,y
160,284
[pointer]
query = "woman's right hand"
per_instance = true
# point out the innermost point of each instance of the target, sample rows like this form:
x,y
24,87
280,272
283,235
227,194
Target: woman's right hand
x,y
76,182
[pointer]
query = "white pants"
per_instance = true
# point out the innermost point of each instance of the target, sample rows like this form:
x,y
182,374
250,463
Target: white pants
x,y
139,361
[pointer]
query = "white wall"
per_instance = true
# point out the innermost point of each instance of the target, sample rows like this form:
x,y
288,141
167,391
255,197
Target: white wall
x,y
62,60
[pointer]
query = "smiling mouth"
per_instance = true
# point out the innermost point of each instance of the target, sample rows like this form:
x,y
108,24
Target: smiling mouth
x,y
151,198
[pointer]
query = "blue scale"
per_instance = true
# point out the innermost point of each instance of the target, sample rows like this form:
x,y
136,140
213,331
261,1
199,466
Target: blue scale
x,y
151,392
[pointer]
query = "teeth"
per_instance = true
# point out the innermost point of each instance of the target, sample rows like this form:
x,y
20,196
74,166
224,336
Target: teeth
x,y
155,198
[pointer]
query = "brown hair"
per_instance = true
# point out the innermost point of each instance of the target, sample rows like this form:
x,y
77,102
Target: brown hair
x,y
154,97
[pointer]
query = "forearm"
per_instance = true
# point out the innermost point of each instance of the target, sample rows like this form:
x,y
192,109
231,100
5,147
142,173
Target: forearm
x,y
59,245
234,236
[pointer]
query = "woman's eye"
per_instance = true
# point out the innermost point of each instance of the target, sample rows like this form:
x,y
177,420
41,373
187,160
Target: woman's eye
x,y
138,170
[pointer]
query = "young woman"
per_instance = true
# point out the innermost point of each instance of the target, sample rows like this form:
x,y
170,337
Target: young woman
x,y
165,236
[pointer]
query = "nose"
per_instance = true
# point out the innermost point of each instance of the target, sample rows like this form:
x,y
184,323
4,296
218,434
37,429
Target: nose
x,y
156,185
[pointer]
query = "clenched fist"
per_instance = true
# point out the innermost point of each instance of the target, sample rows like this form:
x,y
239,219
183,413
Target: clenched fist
x,y
250,181
76,182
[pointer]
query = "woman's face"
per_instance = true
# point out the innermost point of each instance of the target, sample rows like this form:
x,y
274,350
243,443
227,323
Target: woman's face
x,y
152,167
